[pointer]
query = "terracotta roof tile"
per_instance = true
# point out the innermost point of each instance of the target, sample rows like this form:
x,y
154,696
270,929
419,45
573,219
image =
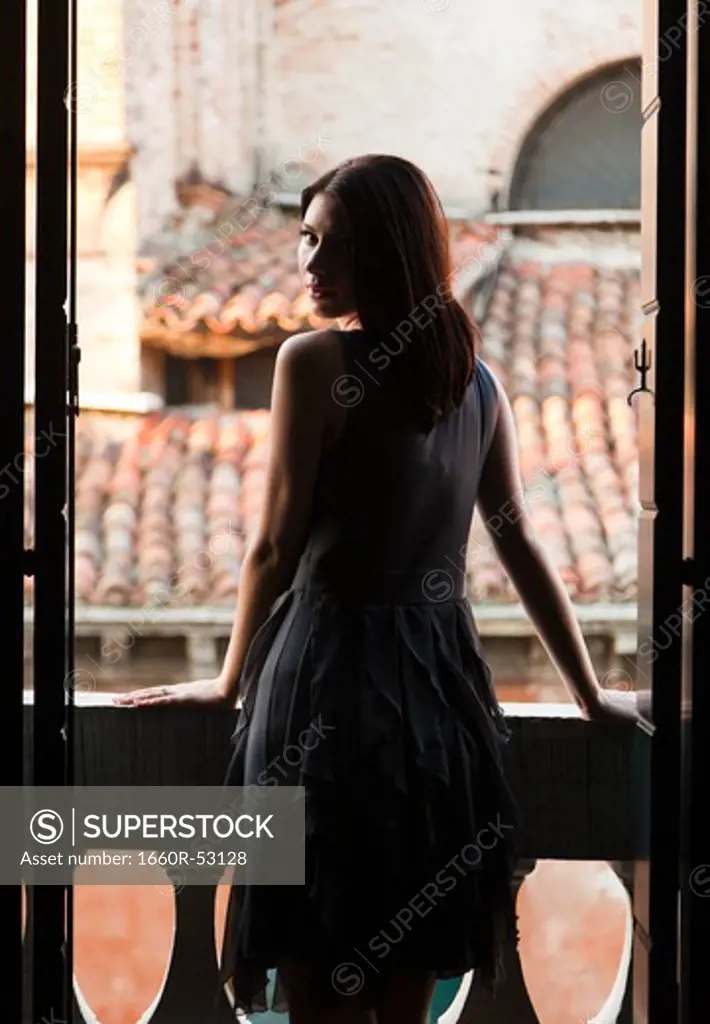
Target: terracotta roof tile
x,y
164,512
217,279
560,334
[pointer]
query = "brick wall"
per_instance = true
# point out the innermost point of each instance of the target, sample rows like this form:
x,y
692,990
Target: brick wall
x,y
192,95
242,88
454,91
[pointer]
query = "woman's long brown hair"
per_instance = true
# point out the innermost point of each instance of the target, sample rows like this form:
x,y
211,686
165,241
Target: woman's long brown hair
x,y
403,277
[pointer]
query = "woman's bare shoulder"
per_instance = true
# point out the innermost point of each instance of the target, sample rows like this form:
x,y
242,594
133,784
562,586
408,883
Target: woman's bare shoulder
x,y
318,345
312,361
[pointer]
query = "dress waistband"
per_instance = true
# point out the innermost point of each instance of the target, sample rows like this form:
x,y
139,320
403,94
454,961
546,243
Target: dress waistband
x,y
386,586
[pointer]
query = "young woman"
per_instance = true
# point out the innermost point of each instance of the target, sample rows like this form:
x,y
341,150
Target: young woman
x,y
353,640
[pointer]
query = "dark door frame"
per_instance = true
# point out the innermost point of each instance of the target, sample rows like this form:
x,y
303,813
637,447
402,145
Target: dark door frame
x,y
46,953
50,909
694,878
12,446
663,103
671,917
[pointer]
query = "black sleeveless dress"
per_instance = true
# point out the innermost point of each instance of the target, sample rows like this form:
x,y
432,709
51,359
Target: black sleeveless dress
x,y
368,685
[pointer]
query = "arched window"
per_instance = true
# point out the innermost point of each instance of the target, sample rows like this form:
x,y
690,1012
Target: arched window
x,y
584,152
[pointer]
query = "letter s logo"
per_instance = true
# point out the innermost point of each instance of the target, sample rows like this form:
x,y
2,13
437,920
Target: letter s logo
x,y
46,826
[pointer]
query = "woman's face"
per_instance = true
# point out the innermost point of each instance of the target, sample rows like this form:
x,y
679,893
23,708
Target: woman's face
x,y
325,258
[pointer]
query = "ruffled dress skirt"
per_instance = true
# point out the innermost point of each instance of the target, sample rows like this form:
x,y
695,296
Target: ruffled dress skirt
x,y
378,701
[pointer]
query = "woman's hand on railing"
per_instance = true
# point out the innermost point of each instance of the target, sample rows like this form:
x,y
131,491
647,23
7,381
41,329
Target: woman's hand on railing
x,y
210,692
615,706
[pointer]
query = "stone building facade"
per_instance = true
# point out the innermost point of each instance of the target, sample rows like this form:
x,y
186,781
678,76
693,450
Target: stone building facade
x,y
242,88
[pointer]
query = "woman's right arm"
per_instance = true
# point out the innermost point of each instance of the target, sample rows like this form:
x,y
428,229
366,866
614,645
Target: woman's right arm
x,y
501,503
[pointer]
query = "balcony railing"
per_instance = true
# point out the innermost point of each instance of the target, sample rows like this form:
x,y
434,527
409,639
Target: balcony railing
x,y
578,786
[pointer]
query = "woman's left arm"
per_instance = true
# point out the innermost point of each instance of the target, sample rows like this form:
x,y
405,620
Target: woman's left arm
x,y
298,418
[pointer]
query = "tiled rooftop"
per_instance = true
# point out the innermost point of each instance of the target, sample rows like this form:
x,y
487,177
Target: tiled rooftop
x,y
165,504
222,276
164,510
559,333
